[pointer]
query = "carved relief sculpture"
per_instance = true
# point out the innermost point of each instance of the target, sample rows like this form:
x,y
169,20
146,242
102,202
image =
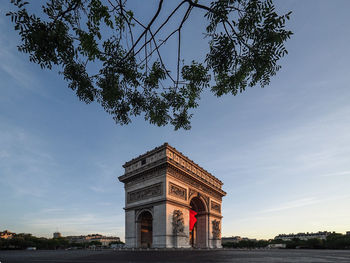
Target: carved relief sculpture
x,y
177,191
178,222
191,192
178,175
145,193
216,229
215,206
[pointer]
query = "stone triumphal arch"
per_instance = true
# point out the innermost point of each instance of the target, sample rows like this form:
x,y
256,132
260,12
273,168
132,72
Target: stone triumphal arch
x,y
171,202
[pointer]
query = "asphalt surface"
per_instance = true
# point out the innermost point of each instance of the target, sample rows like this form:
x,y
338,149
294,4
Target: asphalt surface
x,y
105,256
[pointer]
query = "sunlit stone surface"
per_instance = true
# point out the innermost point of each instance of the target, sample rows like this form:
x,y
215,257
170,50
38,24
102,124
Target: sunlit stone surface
x,y
161,186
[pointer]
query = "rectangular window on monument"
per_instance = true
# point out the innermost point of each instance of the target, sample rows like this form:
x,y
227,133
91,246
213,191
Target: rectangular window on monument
x,y
193,219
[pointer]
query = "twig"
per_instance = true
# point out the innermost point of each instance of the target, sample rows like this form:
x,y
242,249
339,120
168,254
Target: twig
x,y
147,28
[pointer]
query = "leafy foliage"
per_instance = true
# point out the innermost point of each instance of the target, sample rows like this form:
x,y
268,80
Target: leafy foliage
x,y
23,241
246,40
333,241
247,244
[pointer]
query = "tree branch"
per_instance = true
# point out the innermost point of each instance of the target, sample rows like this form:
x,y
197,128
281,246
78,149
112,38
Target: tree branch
x,y
199,6
70,8
162,43
147,28
164,23
160,57
179,44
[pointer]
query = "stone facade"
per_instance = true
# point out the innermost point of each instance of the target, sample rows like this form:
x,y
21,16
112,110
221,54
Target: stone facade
x,y
161,186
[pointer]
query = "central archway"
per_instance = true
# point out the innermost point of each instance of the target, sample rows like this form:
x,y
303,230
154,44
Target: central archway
x,y
198,235
145,221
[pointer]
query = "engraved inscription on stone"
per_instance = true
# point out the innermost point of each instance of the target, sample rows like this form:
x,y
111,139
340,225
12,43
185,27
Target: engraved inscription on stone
x,y
215,206
145,193
177,191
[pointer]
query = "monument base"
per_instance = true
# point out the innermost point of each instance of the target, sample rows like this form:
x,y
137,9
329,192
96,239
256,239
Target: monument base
x,y
181,241
215,243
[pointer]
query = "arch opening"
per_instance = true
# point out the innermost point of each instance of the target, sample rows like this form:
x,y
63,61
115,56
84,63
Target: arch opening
x,y
198,233
145,222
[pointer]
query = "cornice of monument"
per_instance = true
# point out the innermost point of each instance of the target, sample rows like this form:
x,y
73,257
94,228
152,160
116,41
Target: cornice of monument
x,y
194,177
145,155
169,163
200,174
141,171
160,201
193,163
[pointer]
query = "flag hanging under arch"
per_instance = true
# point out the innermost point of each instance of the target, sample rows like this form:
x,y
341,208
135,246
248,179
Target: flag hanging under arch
x,y
193,219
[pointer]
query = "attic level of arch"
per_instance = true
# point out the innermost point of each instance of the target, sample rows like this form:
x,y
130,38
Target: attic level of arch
x,y
165,154
168,168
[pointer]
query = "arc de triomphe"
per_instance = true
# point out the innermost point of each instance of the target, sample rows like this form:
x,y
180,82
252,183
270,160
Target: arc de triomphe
x,y
171,202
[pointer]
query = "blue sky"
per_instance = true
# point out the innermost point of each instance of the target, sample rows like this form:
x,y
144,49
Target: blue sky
x,y
282,151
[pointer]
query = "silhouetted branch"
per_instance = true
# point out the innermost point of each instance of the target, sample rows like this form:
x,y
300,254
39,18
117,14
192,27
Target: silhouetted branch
x,y
147,28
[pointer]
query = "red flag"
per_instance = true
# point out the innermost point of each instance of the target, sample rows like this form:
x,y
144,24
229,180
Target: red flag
x,y
193,219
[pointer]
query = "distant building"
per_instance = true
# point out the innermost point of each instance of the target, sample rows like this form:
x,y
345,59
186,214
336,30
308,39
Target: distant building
x,y
76,239
107,240
103,239
6,234
304,236
348,233
235,239
93,237
57,235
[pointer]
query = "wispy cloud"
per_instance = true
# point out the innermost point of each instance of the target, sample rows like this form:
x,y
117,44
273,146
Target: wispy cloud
x,y
302,202
12,66
105,204
77,223
106,174
52,210
4,154
336,174
26,166
292,204
98,189
15,66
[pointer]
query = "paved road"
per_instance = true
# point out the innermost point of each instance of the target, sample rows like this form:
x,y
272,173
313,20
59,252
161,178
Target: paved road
x,y
162,256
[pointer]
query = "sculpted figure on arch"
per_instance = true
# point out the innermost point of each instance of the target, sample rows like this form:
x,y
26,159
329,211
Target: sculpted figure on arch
x,y
178,222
